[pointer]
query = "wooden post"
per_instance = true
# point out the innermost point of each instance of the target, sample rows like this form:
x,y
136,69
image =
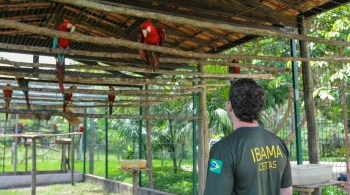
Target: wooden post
x,y
26,157
33,166
308,88
91,143
63,159
149,144
345,120
72,158
203,136
134,182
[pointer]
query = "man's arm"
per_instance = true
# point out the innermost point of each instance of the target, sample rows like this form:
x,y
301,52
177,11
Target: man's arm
x,y
286,191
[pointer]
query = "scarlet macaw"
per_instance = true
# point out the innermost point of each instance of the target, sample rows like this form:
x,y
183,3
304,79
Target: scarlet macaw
x,y
153,36
111,99
62,43
24,83
234,70
67,97
7,97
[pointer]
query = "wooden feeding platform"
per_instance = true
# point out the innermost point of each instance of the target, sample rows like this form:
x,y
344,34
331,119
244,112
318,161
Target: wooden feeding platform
x,y
309,188
33,137
64,142
135,177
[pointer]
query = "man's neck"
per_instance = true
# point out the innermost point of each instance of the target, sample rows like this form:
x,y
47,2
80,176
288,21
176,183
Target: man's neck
x,y
238,124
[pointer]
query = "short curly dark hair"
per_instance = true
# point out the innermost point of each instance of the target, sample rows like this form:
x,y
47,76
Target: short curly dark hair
x,y
247,99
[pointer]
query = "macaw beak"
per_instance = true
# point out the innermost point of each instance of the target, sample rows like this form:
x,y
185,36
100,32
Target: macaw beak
x,y
72,29
144,32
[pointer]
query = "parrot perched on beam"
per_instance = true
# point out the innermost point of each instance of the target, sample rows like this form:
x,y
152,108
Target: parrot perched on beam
x,y
234,70
7,96
62,43
67,97
22,82
152,36
111,99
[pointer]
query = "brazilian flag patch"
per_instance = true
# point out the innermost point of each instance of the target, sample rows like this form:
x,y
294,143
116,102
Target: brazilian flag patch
x,y
215,166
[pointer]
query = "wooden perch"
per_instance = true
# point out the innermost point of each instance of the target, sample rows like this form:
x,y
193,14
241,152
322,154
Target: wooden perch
x,y
130,56
135,45
95,81
198,23
164,72
108,92
55,106
123,68
90,100
65,114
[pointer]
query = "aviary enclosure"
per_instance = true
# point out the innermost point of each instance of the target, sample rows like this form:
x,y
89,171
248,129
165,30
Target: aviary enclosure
x,y
160,99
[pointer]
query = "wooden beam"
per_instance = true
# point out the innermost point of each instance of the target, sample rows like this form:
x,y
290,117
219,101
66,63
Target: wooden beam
x,y
189,60
198,23
65,114
108,92
50,106
145,69
88,100
163,72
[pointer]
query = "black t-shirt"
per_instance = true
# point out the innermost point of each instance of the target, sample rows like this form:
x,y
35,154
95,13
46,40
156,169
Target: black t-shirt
x,y
250,161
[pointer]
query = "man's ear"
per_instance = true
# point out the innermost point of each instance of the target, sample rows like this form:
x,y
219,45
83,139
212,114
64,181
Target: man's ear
x,y
229,107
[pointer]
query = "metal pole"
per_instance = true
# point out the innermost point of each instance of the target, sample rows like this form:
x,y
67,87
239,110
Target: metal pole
x,y
4,143
194,142
106,137
296,103
69,130
72,159
15,148
84,141
140,144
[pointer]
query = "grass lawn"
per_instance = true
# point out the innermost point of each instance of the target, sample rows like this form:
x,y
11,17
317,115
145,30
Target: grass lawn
x,y
79,188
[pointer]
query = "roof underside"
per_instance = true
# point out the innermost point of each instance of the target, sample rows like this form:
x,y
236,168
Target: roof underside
x,y
269,14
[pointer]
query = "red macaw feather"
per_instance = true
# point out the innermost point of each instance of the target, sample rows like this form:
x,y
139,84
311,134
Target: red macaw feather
x,y
60,75
111,99
7,100
7,97
66,98
26,95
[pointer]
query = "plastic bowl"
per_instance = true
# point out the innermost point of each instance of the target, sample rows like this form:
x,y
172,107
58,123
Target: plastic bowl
x,y
133,164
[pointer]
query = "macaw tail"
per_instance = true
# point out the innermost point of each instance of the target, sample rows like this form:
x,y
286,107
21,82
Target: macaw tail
x,y
26,95
64,106
110,108
60,75
7,107
155,61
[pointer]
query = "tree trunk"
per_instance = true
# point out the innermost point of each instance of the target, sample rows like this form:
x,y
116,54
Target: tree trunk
x,y
91,144
309,102
149,144
203,136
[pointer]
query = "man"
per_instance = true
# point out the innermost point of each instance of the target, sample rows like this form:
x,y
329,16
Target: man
x,y
251,160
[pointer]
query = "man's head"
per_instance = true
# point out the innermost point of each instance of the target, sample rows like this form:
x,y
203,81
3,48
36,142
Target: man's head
x,y
247,99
